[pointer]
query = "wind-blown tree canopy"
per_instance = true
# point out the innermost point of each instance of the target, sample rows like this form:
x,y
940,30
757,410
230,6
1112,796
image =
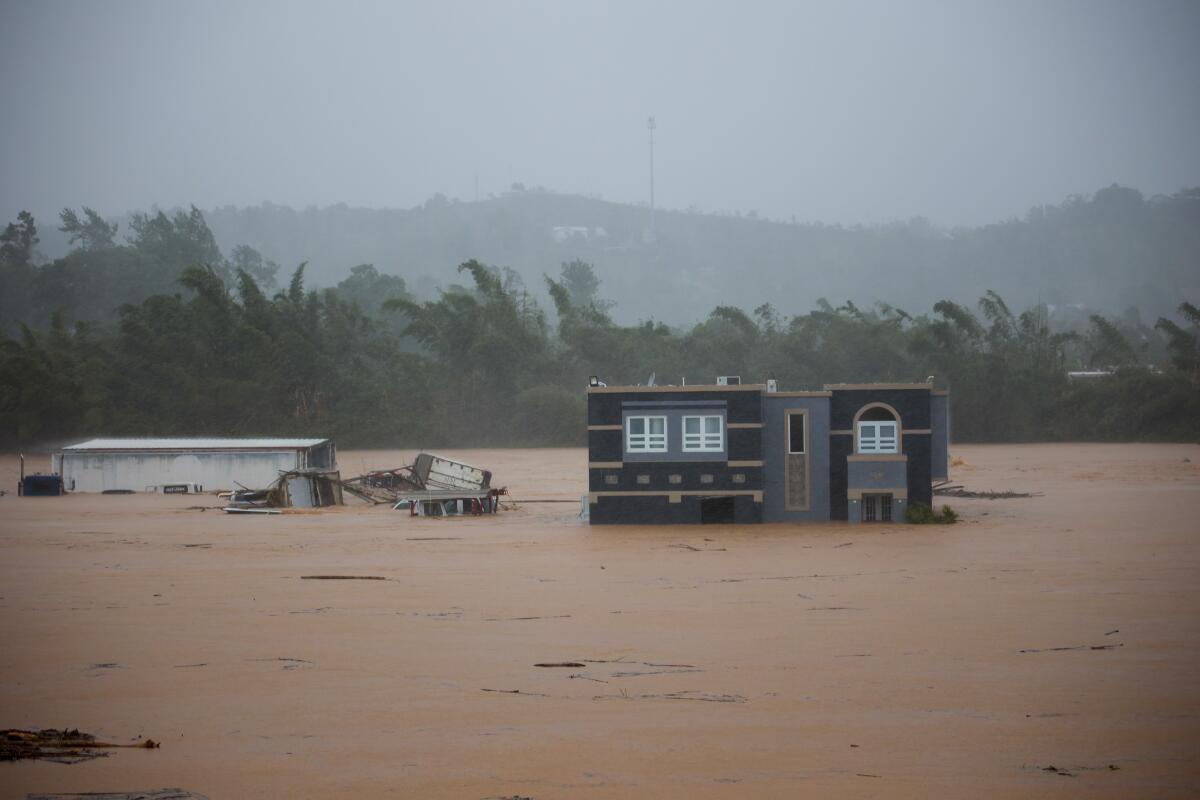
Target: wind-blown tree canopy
x,y
91,233
203,348
18,241
1183,344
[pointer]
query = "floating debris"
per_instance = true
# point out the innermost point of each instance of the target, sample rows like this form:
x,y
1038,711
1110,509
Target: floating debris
x,y
60,746
561,664
1074,647
947,489
342,578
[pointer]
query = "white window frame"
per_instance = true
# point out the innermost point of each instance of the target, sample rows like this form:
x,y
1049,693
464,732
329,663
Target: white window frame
x,y
878,443
705,441
645,442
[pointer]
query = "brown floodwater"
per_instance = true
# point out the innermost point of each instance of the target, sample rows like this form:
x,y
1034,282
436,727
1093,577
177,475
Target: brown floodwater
x,y
718,661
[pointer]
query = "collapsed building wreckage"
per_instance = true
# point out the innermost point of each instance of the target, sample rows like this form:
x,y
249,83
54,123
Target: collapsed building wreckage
x,y
296,488
431,486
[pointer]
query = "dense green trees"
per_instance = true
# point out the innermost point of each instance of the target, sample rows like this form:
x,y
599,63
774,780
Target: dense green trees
x,y
100,275
196,345
17,244
213,362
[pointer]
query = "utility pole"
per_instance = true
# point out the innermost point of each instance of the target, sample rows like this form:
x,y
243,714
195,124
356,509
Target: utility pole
x,y
650,126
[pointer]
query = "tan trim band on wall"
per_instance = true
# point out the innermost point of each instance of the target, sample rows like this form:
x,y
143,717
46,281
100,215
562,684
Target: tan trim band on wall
x,y
605,427
744,425
743,463
925,431
856,494
756,494
878,457
800,394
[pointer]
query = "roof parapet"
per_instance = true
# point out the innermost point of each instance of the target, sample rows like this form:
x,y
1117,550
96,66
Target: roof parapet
x,y
691,387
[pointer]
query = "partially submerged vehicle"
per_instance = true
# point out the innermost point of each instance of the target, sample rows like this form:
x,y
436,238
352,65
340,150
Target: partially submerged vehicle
x,y
432,505
176,488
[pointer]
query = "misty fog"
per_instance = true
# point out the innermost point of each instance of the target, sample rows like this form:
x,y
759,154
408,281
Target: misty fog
x,y
861,191
864,113
825,265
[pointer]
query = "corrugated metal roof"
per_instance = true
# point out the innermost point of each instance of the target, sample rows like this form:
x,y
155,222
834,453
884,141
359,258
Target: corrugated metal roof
x,y
194,444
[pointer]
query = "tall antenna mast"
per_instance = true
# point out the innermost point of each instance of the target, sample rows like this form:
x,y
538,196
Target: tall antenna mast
x,y
650,126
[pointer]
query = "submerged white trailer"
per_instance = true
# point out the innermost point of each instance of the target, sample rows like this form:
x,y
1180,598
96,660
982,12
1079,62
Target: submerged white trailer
x,y
101,465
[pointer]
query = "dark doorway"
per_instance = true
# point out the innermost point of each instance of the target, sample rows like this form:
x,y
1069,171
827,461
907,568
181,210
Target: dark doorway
x,y
716,510
876,508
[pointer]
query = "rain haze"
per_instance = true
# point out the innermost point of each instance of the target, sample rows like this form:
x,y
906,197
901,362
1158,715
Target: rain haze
x,y
963,113
683,400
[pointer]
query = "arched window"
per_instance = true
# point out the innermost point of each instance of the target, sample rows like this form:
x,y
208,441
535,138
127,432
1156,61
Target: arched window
x,y
877,430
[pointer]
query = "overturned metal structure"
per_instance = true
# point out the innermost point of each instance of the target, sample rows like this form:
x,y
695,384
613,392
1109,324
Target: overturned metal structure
x,y
431,486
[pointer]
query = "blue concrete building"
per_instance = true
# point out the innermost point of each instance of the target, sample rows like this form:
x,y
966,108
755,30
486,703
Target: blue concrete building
x,y
746,453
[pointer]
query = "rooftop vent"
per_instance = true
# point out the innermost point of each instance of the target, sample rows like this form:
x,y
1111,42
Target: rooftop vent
x,y
729,380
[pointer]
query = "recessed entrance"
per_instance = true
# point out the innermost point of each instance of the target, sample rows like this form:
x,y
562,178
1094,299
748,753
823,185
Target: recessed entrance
x,y
716,510
876,508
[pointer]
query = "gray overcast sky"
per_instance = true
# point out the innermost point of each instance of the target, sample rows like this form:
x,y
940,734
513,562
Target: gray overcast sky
x,y
841,112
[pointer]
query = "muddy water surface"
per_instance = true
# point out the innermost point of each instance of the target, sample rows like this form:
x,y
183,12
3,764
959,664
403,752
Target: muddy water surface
x,y
771,661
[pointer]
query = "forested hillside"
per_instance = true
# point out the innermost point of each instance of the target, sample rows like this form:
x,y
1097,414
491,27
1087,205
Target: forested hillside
x,y
1109,252
186,340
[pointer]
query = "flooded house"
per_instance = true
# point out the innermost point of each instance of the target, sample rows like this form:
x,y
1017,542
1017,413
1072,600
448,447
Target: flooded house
x,y
749,453
108,465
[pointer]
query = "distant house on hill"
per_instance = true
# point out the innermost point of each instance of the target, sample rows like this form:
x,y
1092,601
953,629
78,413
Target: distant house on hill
x,y
564,233
741,453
